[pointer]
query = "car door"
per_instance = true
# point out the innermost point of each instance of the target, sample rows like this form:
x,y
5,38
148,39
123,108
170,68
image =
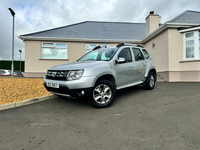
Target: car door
x,y
124,73
140,64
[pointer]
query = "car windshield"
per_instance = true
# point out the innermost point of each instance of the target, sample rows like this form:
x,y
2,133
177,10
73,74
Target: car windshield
x,y
103,54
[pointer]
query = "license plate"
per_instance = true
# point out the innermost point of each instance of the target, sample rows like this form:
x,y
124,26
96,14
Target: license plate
x,y
54,85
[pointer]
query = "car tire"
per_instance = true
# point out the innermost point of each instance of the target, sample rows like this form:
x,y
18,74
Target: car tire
x,y
102,94
150,81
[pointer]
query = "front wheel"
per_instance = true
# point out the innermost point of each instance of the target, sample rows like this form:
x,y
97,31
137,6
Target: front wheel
x,y
150,81
103,94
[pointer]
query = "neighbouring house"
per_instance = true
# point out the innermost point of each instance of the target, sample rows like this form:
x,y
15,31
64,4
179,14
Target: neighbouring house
x,y
175,45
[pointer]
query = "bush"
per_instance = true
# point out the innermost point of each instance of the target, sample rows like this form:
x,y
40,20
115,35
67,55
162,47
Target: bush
x,y
6,64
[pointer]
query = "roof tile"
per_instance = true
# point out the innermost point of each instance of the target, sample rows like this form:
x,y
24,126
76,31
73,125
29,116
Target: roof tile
x,y
97,30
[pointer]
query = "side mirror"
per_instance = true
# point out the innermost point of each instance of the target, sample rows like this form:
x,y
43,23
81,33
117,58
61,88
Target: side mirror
x,y
120,60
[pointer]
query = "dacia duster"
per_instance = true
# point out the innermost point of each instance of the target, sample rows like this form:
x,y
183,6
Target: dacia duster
x,y
98,74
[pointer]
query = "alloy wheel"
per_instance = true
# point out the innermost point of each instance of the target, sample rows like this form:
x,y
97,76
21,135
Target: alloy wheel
x,y
102,94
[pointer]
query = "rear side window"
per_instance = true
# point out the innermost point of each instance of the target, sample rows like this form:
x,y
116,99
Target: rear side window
x,y
138,54
146,54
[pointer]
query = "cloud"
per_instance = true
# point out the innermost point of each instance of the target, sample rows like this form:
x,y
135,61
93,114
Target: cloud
x,y
36,15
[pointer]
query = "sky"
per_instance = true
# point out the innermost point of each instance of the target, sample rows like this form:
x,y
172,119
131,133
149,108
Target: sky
x,y
37,15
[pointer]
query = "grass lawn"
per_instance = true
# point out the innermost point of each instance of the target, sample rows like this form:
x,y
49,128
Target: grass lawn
x,y
13,89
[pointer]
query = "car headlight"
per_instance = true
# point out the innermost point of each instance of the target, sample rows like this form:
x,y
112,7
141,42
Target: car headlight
x,y
74,75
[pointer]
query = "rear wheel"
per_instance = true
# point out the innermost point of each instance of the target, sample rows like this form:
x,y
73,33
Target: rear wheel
x,y
150,81
103,94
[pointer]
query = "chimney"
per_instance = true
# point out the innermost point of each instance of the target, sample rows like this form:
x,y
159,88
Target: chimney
x,y
152,22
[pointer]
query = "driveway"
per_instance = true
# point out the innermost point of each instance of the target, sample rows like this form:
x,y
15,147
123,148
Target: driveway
x,y
166,118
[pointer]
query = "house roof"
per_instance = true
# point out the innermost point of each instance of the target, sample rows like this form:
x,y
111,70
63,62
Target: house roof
x,y
96,30
113,31
187,17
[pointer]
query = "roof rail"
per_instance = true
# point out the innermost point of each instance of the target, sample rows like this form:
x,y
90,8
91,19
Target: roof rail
x,y
97,47
128,44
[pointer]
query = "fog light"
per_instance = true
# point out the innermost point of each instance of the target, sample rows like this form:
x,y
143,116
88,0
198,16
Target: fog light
x,y
82,92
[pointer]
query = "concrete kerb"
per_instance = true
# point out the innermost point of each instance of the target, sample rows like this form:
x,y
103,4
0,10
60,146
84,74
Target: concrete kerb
x,y
26,102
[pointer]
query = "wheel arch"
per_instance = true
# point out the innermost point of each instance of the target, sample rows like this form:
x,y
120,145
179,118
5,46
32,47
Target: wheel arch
x,y
154,71
108,77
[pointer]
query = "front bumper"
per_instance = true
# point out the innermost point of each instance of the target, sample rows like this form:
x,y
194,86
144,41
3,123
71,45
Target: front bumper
x,y
75,88
63,90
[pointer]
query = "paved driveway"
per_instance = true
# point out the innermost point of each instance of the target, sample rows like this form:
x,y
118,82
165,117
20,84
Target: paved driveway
x,y
166,118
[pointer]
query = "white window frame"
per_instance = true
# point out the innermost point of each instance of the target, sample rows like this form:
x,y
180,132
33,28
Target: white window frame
x,y
54,46
60,43
47,43
199,44
97,44
196,45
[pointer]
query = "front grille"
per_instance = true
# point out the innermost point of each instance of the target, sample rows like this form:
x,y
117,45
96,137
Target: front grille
x,y
57,75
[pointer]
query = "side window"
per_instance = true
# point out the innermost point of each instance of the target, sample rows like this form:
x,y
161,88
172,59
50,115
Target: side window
x,y
138,54
146,54
125,53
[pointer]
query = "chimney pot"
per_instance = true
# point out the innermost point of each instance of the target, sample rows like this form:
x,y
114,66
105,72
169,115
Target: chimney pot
x,y
151,12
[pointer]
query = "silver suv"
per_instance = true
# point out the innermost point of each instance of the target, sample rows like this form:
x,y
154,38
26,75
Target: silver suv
x,y
98,74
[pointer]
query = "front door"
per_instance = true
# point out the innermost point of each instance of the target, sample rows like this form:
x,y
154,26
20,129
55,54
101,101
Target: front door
x,y
124,72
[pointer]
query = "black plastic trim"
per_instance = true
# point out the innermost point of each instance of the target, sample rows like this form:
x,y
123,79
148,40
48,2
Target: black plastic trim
x,y
63,89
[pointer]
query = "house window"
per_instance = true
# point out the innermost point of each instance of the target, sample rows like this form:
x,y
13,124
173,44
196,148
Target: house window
x,y
51,50
89,47
192,45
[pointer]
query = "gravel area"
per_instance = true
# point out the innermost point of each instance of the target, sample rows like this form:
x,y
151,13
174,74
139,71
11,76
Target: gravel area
x,y
15,89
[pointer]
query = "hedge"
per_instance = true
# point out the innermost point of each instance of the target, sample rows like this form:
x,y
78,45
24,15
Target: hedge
x,y
6,64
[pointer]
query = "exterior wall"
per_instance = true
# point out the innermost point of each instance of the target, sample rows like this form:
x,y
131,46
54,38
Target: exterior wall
x,y
190,65
179,70
175,49
36,67
190,76
160,51
113,44
75,50
180,76
168,56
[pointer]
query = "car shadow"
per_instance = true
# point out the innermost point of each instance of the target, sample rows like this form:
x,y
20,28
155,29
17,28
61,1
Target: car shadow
x,y
121,94
73,101
128,92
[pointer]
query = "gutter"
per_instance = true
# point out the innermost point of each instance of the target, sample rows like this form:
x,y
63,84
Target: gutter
x,y
24,38
191,29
